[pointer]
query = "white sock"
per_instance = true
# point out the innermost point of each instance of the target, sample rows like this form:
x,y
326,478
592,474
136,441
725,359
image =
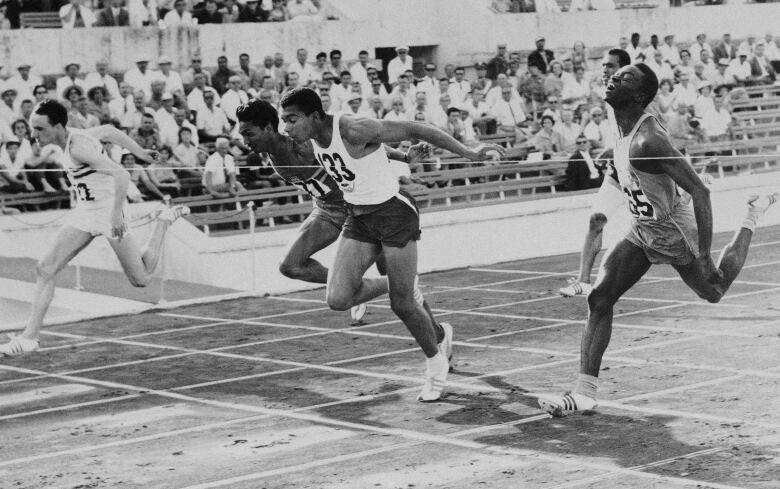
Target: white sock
x,y
587,385
435,365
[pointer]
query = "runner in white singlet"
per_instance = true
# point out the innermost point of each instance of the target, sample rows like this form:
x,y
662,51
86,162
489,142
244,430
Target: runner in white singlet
x,y
667,227
381,218
101,188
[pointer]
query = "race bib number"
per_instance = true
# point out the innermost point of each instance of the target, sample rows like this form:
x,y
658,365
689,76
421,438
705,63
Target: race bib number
x,y
638,204
337,169
83,193
314,187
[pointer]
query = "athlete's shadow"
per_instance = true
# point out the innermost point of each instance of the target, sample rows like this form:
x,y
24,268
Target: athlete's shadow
x,y
628,440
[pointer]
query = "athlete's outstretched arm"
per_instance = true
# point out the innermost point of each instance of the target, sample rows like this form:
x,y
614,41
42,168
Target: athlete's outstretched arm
x,y
368,131
82,151
110,133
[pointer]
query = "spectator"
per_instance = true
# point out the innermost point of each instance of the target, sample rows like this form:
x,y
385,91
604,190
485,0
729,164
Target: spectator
x,y
494,94
12,179
233,98
122,106
180,118
161,174
71,78
686,63
771,52
460,88
340,93
142,12
399,65
378,89
579,55
211,120
547,140
761,70
178,16
739,69
219,173
74,15
633,49
209,14
279,71
25,110
376,108
664,102
40,93
146,135
404,92
717,124
482,82
685,91
23,82
301,9
719,77
553,83
166,124
420,105
678,125
569,130
437,113
230,12
188,77
278,12
704,103
748,44
113,15
457,129
326,103
140,78
79,116
576,90
301,67
359,70
252,12
158,90
97,104
186,152
479,112
509,114
320,66
354,105
531,88
429,83
710,68
9,19
134,118
652,48
541,57
172,79
660,67
724,49
21,131
700,45
140,178
71,96
670,52
100,77
598,130
336,64
222,75
46,158
498,64
582,172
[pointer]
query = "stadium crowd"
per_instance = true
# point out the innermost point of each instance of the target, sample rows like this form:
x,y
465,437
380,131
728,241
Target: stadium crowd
x,y
547,103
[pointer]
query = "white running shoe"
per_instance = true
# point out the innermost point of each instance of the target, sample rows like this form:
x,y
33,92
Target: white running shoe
x,y
445,347
575,288
760,203
18,345
418,295
435,380
170,214
560,406
357,312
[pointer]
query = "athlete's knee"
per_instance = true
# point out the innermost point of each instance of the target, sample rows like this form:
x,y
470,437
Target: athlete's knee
x,y
45,270
600,302
712,295
290,270
139,281
597,222
339,301
403,306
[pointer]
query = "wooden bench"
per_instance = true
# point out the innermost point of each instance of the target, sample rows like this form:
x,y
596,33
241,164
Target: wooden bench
x,y
35,201
40,20
755,104
736,156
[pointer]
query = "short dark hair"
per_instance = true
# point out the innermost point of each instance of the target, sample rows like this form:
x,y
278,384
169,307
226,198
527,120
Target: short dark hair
x,y
623,58
649,85
259,113
335,52
548,116
305,99
54,111
363,51
444,78
40,86
147,115
321,54
345,73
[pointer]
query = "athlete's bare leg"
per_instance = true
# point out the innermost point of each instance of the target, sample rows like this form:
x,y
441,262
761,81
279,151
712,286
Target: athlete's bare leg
x,y
346,285
313,236
139,264
592,245
68,243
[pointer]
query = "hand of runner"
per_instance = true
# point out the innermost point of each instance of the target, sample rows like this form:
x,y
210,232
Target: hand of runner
x,y
486,152
151,156
118,227
713,274
418,152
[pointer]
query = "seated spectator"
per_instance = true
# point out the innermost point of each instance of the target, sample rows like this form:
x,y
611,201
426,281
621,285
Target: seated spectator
x,y
154,102
509,114
172,79
582,172
23,82
180,118
134,118
397,111
686,63
140,178
678,123
598,131
301,9
113,15
664,101
456,128
576,90
478,111
376,108
761,70
354,106
245,71
21,131
147,136
569,130
219,173
547,140
142,13
718,123
140,77
211,120
161,174
233,98
230,11
71,78
122,107
25,110
378,89
739,69
220,78
719,76
7,112
75,15
12,179
178,16
40,93
187,153
704,101
685,92
188,77
553,108
278,12
579,55
97,105
252,12
326,102
553,83
101,78
660,67
209,14
71,96
166,123
437,114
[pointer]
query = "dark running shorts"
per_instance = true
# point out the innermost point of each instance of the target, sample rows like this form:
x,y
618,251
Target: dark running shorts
x,y
392,223
334,213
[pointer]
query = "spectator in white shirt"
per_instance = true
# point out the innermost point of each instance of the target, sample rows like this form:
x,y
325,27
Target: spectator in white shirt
x,y
686,63
301,9
700,45
460,87
509,113
376,107
320,66
378,89
340,93
196,67
397,111
429,83
420,105
195,97
233,98
172,79
121,106
135,117
359,70
398,65
211,120
169,130
598,130
403,89
772,53
443,86
717,124
685,92
739,67
437,113
660,67
178,16
23,82
301,67
71,78
748,44
219,173
140,78
670,51
478,111
569,130
456,128
142,12
633,49
101,78
576,90
75,14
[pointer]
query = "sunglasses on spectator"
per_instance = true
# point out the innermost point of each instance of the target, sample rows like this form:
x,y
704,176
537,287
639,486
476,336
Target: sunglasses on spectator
x,y
553,101
582,142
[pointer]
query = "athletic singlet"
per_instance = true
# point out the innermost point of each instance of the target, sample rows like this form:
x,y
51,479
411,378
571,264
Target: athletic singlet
x,y
651,196
313,180
92,187
369,180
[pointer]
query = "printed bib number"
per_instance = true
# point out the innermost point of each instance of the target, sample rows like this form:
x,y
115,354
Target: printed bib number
x,y
83,192
336,168
638,204
314,187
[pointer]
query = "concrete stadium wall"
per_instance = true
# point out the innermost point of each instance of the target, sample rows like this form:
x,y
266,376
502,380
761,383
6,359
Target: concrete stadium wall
x,y
484,235
463,30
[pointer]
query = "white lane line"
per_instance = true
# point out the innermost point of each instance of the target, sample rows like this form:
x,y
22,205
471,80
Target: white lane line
x,y
69,407
44,393
519,272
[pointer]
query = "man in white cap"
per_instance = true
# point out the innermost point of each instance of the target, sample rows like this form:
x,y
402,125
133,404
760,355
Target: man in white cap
x,y
166,123
172,79
233,98
670,51
719,77
24,82
71,78
398,65
101,78
140,77
739,68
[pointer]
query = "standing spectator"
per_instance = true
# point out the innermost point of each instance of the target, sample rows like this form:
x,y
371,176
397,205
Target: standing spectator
x,y
670,51
113,15
398,65
75,15
9,19
172,79
498,64
761,70
178,16
209,14
121,107
320,66
219,173
700,45
299,9
724,49
142,12
211,120
278,12
146,135
140,77
71,78
230,12
598,130
252,12
233,98
101,78
541,57
220,78
97,104
582,172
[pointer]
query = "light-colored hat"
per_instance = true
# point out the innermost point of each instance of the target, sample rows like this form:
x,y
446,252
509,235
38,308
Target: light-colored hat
x,y
354,96
539,38
234,78
167,96
723,61
24,65
743,51
402,47
142,59
164,60
704,83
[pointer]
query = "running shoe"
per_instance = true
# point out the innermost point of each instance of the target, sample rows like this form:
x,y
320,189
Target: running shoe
x,y
435,381
445,347
170,214
575,288
18,345
560,406
760,203
357,312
